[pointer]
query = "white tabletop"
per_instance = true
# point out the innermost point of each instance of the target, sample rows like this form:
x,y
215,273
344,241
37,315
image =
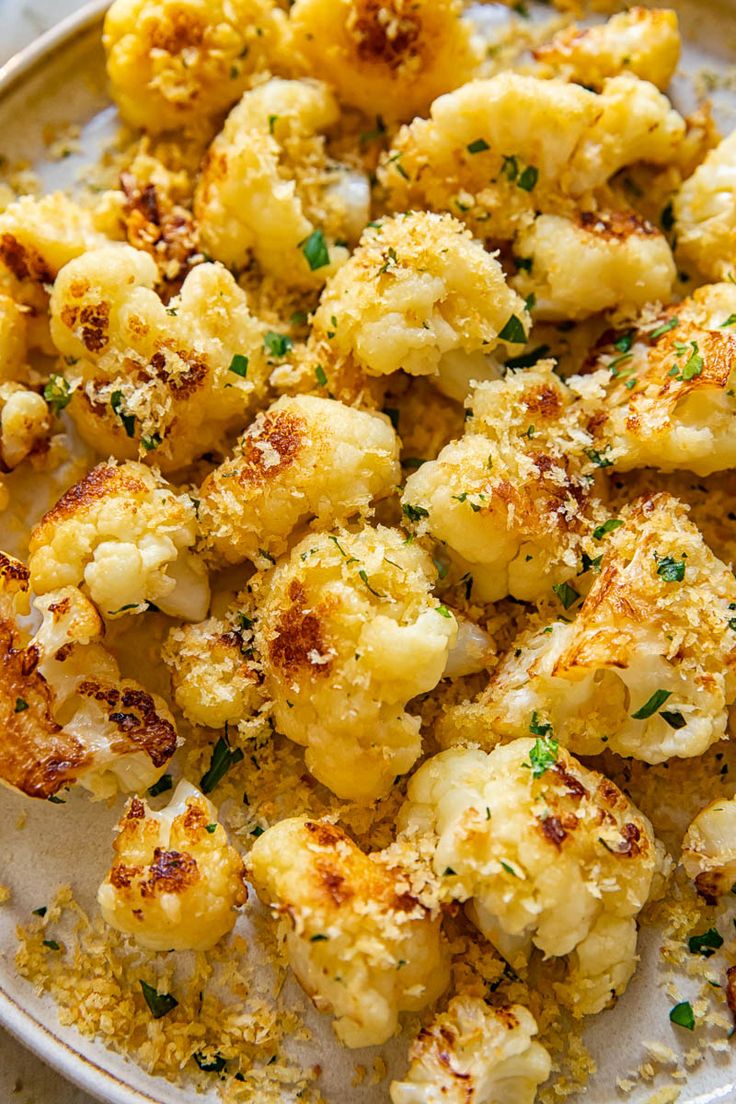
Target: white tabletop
x,y
23,1078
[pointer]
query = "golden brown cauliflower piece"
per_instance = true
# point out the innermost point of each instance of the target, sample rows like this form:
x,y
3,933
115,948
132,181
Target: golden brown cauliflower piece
x,y
361,946
37,238
705,213
513,500
647,667
709,849
180,63
125,535
215,676
387,57
65,713
348,632
268,188
669,388
598,261
25,424
155,381
497,151
642,41
304,458
541,848
420,295
175,881
475,1054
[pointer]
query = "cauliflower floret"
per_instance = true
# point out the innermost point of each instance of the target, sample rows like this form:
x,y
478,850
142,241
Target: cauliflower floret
x,y
361,946
539,846
303,458
149,380
705,213
65,713
603,963
13,339
348,632
37,238
709,849
669,396
512,500
178,63
25,424
214,675
127,536
642,41
390,58
175,881
268,187
497,151
420,295
475,1054
648,666
596,262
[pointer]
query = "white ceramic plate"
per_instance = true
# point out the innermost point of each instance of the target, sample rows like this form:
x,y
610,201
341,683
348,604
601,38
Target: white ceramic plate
x,y
60,80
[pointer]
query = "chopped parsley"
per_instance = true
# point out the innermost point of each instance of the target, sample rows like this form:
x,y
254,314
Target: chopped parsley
x,y
164,783
118,406
671,570
537,727
478,146
239,365
598,458
730,321
160,1004
566,593
40,911
151,441
528,360
315,250
443,611
57,393
223,758
216,1064
414,513
674,720
272,120
589,563
706,944
211,828
607,527
528,179
320,375
513,331
318,938
510,168
51,944
508,868
682,1015
664,328
542,756
20,705
278,344
652,705
364,576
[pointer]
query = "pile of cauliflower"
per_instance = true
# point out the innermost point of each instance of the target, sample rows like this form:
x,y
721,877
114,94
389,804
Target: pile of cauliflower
x,y
359,352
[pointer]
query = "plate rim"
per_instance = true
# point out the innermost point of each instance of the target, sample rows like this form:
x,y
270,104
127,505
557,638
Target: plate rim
x,y
22,1025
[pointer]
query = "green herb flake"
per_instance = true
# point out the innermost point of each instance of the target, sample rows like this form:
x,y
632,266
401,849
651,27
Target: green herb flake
x,y
674,720
694,365
223,758
513,331
667,218
598,458
652,705
671,570
364,576
478,146
414,513
164,784
20,705
528,360
566,594
730,321
682,1015
210,1065
57,393
589,563
151,441
706,944
118,406
211,828
528,179
257,832
51,944
609,526
315,250
320,375
40,911
56,800
272,120
543,755
319,938
664,328
443,611
537,727
448,872
239,365
160,1004
510,168
278,344
508,868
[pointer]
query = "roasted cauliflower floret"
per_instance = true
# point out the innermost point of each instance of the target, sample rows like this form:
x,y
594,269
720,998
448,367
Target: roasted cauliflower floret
x,y
390,58
37,238
497,151
709,849
595,262
175,881
541,847
512,500
642,41
179,63
360,945
647,668
420,295
475,1054
13,339
215,677
150,380
125,535
268,188
705,213
304,458
348,632
25,424
669,388
65,713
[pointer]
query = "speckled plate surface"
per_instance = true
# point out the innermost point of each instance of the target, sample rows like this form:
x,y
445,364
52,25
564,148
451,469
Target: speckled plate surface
x,y
60,80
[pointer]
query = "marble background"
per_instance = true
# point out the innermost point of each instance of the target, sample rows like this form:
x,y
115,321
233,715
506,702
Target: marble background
x,y
23,1078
